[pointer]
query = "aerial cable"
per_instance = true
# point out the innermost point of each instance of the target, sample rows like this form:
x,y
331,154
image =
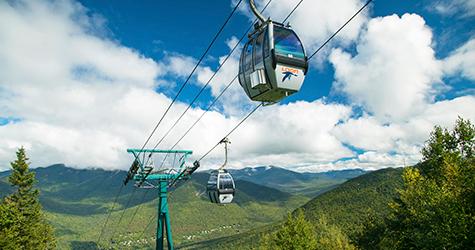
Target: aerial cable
x,y
207,83
123,212
258,106
109,214
148,225
338,31
220,141
232,81
110,209
199,118
232,130
175,98
151,220
206,110
313,54
292,12
137,208
189,76
245,118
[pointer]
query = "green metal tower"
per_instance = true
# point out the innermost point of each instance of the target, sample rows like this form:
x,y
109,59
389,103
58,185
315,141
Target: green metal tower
x,y
146,175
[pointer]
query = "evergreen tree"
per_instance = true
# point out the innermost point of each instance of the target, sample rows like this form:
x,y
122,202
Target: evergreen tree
x,y
23,224
435,209
9,225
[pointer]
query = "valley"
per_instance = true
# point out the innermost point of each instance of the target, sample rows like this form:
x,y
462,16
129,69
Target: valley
x,y
77,201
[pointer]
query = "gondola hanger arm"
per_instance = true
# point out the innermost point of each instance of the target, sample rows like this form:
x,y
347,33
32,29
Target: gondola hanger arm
x,y
259,16
226,141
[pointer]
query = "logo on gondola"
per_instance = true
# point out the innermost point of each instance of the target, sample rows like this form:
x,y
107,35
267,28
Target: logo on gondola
x,y
288,73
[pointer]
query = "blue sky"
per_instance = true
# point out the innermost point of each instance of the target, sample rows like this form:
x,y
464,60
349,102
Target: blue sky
x,y
186,27
81,81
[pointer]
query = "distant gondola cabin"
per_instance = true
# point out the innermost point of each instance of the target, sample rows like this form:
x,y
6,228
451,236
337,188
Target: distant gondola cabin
x,y
220,187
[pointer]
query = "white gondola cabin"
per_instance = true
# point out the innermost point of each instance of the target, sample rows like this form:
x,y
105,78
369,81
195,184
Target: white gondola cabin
x,y
220,187
273,63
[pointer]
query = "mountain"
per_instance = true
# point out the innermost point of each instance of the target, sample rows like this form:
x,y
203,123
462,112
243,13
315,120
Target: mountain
x,y
349,206
77,202
75,199
309,184
357,201
81,191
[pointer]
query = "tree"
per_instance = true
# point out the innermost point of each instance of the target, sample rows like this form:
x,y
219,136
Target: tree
x,y
23,224
298,233
331,237
9,225
435,209
295,234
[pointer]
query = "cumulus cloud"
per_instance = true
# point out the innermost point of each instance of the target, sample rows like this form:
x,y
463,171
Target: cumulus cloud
x,y
287,135
314,21
394,71
310,122
234,101
47,37
462,8
79,97
404,139
368,134
462,61
82,99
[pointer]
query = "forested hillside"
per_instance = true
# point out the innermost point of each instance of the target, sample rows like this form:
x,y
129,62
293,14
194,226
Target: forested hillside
x,y
75,199
349,206
426,206
357,202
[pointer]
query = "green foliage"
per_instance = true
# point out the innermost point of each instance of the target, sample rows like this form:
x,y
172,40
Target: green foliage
x,y
435,209
429,206
298,233
9,225
357,203
76,203
351,212
23,225
330,237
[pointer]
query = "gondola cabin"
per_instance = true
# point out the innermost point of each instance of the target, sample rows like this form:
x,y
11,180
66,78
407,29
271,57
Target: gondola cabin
x,y
220,187
273,63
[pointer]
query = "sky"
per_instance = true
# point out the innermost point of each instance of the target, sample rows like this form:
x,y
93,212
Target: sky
x,y
82,81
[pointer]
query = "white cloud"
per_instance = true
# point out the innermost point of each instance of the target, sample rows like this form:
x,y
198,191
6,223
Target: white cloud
x,y
301,127
314,21
82,98
86,99
461,8
289,135
329,16
400,140
234,101
394,71
368,134
47,37
462,61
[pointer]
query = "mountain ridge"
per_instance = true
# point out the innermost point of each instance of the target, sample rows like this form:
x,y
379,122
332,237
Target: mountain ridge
x,y
349,206
74,199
